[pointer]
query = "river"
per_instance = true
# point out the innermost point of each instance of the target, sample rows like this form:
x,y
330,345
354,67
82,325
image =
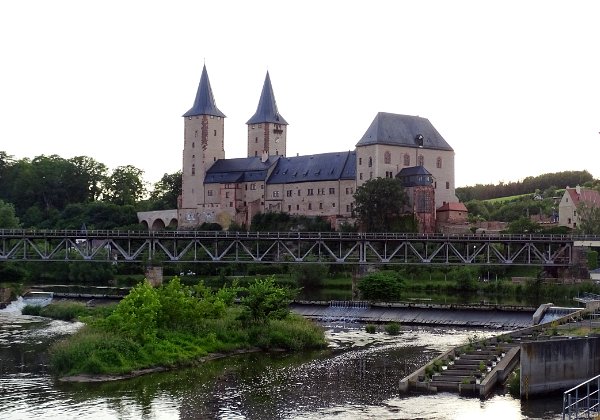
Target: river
x,y
356,378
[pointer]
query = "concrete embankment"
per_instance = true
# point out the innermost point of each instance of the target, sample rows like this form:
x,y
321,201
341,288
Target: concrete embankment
x,y
495,317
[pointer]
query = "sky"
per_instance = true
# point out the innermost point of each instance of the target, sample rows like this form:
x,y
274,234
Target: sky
x,y
513,86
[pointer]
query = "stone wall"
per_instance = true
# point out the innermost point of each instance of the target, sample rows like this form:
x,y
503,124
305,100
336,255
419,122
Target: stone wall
x,y
557,365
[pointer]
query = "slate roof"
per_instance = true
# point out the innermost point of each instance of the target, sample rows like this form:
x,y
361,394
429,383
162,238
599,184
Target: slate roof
x,y
321,167
267,106
249,169
205,101
414,176
402,130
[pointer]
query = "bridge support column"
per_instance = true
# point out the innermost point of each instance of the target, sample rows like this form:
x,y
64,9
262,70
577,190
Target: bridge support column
x,y
154,274
357,273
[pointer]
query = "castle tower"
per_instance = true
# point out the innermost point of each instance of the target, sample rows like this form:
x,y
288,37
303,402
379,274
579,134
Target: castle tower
x,y
203,145
267,129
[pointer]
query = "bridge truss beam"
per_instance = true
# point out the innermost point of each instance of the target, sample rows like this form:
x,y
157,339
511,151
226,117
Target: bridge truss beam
x,y
285,247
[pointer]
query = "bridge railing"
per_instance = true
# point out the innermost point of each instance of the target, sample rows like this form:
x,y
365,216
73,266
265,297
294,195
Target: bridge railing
x,y
17,233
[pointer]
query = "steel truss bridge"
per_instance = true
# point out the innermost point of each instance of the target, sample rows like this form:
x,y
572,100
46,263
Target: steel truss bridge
x,y
288,247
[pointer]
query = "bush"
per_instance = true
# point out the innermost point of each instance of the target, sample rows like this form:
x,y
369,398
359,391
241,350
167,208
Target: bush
x,y
370,328
393,328
514,384
310,275
383,286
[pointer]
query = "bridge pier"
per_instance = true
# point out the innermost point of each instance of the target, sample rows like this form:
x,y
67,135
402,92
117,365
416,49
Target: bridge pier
x,y
154,274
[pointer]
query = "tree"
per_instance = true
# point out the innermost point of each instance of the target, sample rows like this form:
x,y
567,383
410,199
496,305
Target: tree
x,y
8,218
91,174
382,286
380,203
266,301
589,219
125,185
524,225
166,191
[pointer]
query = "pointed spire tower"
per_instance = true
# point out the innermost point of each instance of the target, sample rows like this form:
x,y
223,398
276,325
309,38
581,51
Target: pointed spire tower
x,y
204,144
267,129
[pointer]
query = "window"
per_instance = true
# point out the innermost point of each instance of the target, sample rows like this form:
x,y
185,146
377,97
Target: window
x,y
252,186
370,162
231,204
275,193
212,116
288,193
256,140
406,159
447,185
209,193
289,208
321,191
196,134
348,208
320,206
214,159
298,193
333,205
310,206
435,184
387,157
246,187
193,170
297,206
253,127
227,194
420,160
360,161
438,162
193,145
360,176
331,190
370,175
262,186
310,191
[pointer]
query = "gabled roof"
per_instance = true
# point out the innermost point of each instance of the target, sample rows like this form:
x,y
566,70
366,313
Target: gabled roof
x,y
321,167
453,207
403,130
248,169
267,107
415,176
205,101
585,195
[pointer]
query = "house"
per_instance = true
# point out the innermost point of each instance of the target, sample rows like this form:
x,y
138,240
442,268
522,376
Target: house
x,y
571,199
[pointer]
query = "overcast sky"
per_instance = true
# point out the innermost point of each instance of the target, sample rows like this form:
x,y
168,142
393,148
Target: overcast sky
x,y
513,86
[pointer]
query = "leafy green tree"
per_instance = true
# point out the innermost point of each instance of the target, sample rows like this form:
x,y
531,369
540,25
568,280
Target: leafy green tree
x,y
589,219
8,218
165,192
91,174
380,203
125,185
310,275
266,301
381,286
465,278
524,225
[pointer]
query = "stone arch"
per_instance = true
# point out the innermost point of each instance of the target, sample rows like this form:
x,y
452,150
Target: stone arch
x,y
173,223
144,223
158,224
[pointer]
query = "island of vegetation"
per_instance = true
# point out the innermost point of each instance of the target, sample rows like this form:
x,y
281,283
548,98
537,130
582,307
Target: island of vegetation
x,y
176,325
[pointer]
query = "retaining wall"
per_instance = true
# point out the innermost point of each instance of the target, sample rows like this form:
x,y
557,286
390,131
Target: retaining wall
x,y
558,364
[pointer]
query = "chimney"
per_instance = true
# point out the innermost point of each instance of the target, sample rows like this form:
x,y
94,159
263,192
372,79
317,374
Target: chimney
x,y
265,156
578,189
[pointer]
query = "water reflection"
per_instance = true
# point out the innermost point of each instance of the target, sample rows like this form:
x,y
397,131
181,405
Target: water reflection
x,y
356,378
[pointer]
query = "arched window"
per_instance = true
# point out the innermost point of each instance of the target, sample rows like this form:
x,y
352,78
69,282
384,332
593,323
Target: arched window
x,y
439,162
406,159
370,162
387,157
420,161
193,169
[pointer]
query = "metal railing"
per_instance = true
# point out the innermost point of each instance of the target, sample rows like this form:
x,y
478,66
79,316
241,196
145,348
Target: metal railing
x,y
581,402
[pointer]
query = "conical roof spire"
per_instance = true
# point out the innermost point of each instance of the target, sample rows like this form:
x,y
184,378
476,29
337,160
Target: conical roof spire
x,y
205,101
267,107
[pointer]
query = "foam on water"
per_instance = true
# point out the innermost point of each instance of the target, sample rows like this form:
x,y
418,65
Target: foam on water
x,y
14,308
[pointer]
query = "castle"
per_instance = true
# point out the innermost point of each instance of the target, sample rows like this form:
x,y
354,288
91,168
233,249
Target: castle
x,y
220,190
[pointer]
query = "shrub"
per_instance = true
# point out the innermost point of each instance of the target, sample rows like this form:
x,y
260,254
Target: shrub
x,y
370,328
383,285
393,328
514,384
